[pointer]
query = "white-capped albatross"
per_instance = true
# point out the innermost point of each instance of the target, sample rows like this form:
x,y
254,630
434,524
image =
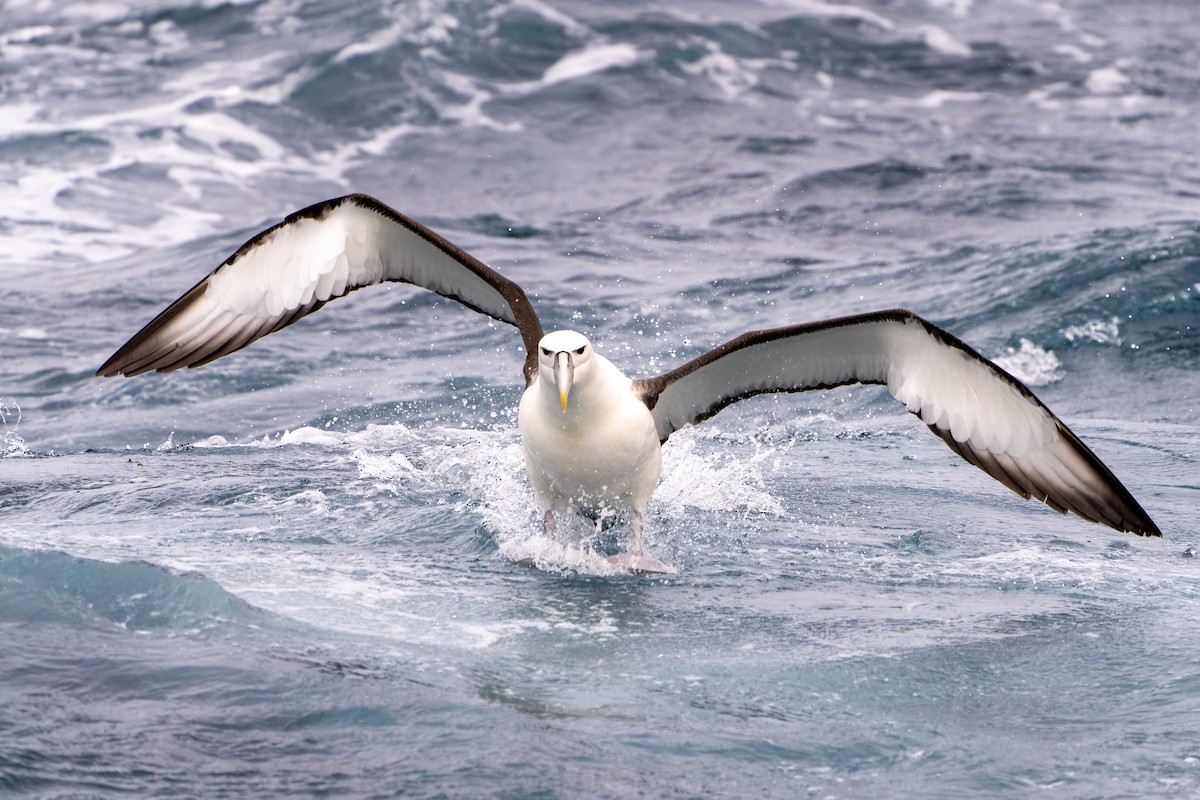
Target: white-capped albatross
x,y
591,435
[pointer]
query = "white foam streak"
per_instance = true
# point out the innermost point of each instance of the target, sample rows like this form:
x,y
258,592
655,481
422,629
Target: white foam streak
x,y
1107,81
818,8
1095,330
76,12
596,58
940,97
36,205
380,40
732,76
958,8
471,112
938,40
568,23
1077,53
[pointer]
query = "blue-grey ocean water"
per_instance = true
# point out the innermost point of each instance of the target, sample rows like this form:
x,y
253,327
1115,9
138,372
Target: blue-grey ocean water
x,y
295,572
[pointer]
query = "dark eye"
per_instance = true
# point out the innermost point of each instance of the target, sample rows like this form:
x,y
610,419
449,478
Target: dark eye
x,y
579,352
545,351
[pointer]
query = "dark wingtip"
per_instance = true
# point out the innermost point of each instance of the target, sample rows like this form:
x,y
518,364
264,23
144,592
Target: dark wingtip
x,y
109,369
1144,527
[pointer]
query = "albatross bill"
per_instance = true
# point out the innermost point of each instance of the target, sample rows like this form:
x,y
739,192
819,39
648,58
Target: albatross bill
x,y
591,435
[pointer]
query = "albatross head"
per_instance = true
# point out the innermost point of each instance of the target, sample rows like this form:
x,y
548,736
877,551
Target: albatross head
x,y
564,357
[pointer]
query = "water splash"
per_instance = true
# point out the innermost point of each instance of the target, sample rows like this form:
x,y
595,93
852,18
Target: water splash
x,y
482,472
1095,330
1033,365
11,443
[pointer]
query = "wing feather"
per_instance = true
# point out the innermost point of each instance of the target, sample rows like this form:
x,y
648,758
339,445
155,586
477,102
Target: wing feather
x,y
316,255
171,357
987,416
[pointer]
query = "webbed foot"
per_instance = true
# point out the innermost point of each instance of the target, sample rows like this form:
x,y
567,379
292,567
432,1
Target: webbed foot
x,y
639,564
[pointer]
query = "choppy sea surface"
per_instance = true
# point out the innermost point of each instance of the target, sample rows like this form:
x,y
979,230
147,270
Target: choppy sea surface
x,y
295,572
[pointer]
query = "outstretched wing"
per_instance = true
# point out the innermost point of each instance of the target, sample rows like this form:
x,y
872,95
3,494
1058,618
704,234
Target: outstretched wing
x,y
312,257
984,414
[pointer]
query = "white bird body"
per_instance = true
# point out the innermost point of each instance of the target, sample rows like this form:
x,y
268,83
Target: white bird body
x,y
601,454
591,435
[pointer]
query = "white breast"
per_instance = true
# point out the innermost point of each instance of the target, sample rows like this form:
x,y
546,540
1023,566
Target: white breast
x,y
603,452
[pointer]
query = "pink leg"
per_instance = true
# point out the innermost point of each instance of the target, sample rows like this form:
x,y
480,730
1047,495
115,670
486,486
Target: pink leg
x,y
638,523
